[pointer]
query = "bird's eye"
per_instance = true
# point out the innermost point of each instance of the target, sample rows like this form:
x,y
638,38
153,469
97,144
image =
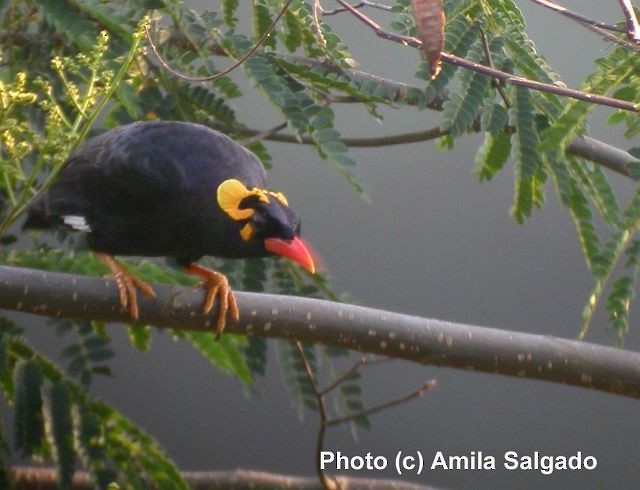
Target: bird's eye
x,y
259,220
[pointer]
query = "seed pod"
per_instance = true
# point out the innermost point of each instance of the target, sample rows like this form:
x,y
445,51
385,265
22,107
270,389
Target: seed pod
x,y
429,18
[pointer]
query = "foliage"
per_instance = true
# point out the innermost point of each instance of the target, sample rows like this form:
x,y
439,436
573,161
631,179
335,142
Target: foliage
x,y
57,418
73,67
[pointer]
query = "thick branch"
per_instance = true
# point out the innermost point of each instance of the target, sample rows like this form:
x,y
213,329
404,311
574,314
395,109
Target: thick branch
x,y
608,156
413,338
28,478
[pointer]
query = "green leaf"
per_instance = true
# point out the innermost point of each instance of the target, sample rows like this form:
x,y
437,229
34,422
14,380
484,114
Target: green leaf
x,y
494,119
597,188
294,377
59,430
527,162
463,107
140,336
611,71
229,8
261,22
128,98
303,115
461,34
256,355
292,33
92,450
492,155
65,19
618,301
28,421
226,353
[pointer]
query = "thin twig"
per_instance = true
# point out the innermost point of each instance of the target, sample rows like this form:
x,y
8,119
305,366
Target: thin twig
x,y
376,141
421,390
363,3
363,361
489,62
507,77
244,58
340,379
596,151
329,482
263,134
316,11
633,28
609,36
577,17
601,28
324,478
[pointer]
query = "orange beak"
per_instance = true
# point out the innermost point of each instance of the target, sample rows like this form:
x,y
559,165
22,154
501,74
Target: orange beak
x,y
294,250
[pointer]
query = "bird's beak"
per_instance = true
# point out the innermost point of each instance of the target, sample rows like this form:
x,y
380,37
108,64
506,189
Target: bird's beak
x,y
294,250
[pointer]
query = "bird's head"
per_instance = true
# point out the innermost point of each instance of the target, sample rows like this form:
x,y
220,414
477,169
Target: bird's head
x,y
264,222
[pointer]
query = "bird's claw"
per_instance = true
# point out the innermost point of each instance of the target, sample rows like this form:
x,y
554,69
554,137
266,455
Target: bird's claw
x,y
127,289
127,285
216,285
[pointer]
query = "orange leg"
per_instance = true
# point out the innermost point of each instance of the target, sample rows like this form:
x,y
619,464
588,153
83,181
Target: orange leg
x,y
216,284
126,283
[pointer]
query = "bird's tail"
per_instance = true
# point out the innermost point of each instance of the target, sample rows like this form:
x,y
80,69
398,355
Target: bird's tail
x,y
37,216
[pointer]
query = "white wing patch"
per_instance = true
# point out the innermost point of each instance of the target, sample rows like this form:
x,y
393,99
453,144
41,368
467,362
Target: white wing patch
x,y
78,223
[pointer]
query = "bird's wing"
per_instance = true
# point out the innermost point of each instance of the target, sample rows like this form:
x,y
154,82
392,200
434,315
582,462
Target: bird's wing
x,y
125,174
112,177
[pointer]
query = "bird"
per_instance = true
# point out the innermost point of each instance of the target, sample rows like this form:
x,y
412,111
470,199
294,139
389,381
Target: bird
x,y
170,189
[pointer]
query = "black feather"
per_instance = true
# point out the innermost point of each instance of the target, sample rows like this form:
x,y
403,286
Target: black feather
x,y
149,189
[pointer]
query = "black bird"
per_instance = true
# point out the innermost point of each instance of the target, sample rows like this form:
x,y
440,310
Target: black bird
x,y
170,189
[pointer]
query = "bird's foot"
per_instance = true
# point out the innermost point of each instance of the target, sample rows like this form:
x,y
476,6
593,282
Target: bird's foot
x,y
127,284
216,284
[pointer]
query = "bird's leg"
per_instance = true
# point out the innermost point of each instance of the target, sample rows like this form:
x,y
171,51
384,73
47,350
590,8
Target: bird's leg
x,y
216,284
126,283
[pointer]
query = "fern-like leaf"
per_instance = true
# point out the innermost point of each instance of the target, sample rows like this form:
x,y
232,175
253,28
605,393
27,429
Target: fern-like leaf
x,y
68,21
59,429
526,160
226,353
461,34
610,72
229,8
294,376
28,421
492,155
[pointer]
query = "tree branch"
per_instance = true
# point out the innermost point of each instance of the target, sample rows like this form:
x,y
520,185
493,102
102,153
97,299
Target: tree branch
x,y
596,151
327,481
387,140
601,28
575,16
31,478
235,65
633,28
417,393
608,156
416,339
501,75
